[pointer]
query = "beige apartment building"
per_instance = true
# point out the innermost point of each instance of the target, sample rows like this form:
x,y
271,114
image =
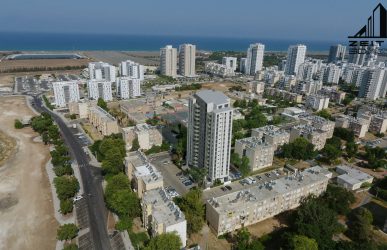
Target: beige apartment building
x,y
80,108
259,153
253,204
103,121
319,123
271,134
376,117
161,215
143,175
358,125
147,135
315,136
283,94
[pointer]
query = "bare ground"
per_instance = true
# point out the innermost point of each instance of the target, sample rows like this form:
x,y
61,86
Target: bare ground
x,y
26,211
41,63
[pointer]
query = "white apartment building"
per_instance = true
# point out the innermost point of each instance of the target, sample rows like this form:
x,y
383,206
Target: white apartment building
x,y
272,135
218,69
187,58
377,118
254,60
295,57
232,211
353,74
128,87
259,152
358,125
147,136
352,178
100,89
373,84
336,53
315,136
317,102
168,61
306,71
242,65
230,62
65,92
132,70
334,94
331,74
319,123
308,87
101,71
161,215
209,133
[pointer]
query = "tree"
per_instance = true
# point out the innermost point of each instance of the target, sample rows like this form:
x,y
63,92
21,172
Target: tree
x,y
125,203
113,162
338,199
66,169
255,118
324,114
71,246
124,224
244,242
376,157
244,167
315,220
301,242
192,206
300,149
66,187
344,134
101,103
198,175
167,241
116,183
67,232
18,124
135,145
330,153
360,225
66,206
351,149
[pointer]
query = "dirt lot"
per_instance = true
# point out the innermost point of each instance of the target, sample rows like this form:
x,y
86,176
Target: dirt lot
x,y
41,63
219,86
26,211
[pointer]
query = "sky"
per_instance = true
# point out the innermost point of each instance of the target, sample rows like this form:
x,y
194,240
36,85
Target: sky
x,y
268,19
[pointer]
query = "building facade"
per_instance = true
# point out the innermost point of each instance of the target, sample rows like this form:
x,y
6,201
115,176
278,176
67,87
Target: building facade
x,y
254,59
65,92
128,87
101,71
132,70
100,89
187,59
295,57
103,121
168,61
336,53
259,152
147,136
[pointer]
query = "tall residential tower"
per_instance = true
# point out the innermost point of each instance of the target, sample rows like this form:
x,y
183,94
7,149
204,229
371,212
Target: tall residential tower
x,y
168,61
187,57
254,60
296,56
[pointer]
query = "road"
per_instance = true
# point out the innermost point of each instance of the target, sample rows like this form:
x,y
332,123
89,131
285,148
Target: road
x,y
91,178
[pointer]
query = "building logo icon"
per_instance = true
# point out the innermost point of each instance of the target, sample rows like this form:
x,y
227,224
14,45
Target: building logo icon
x,y
371,34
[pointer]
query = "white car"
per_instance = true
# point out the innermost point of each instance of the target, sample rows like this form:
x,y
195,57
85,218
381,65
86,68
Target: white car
x,y
77,198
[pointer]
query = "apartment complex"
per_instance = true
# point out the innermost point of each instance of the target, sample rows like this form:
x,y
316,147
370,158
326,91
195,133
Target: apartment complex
x,y
336,53
103,121
259,152
295,57
358,125
376,116
373,84
271,134
143,175
254,59
132,70
187,58
147,136
218,69
80,108
315,136
317,102
101,71
319,123
209,133
334,94
283,94
65,92
168,61
230,62
245,207
100,89
161,215
128,87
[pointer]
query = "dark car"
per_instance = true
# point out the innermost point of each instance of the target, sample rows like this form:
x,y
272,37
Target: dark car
x,y
228,187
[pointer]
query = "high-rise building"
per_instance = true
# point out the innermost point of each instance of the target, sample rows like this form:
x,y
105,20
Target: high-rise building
x,y
254,60
132,70
296,56
100,89
101,71
331,74
128,87
336,53
306,71
168,61
209,133
65,92
230,62
373,84
187,57
242,65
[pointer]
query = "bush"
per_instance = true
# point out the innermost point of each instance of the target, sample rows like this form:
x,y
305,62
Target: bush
x,y
66,206
71,246
67,232
138,239
18,124
66,169
124,223
66,187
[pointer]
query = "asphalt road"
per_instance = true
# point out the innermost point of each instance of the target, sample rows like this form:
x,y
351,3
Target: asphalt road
x,y
91,178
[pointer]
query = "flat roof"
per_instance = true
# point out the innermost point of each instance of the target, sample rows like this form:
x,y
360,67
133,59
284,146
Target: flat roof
x,y
212,96
352,175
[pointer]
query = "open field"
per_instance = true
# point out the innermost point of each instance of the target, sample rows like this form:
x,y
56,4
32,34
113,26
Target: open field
x,y
219,86
115,57
26,210
7,65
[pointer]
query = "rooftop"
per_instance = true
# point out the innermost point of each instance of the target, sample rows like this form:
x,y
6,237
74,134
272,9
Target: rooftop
x,y
211,96
253,142
103,113
352,175
136,158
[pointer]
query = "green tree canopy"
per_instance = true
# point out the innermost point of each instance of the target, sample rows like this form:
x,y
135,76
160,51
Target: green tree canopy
x,y
324,114
243,241
338,199
135,145
67,232
101,102
301,242
66,187
167,241
18,124
300,149
192,206
351,149
344,134
360,225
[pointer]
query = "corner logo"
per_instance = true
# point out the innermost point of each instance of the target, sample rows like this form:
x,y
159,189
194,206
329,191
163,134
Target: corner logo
x,y
371,34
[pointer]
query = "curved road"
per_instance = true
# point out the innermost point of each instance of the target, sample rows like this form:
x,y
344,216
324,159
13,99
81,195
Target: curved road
x,y
91,178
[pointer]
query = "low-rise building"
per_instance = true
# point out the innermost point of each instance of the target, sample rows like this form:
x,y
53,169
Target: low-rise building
x,y
317,102
352,178
319,123
315,136
105,123
358,125
143,175
292,113
242,208
259,153
334,95
147,136
283,94
161,215
256,87
376,117
80,108
271,134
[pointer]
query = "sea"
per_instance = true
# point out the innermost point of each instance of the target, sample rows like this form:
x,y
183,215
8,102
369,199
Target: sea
x,y
16,41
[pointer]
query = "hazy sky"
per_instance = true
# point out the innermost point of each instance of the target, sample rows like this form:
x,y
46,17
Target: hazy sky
x,y
285,19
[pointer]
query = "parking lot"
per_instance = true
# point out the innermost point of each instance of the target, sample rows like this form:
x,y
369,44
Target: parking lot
x,y
30,84
251,181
